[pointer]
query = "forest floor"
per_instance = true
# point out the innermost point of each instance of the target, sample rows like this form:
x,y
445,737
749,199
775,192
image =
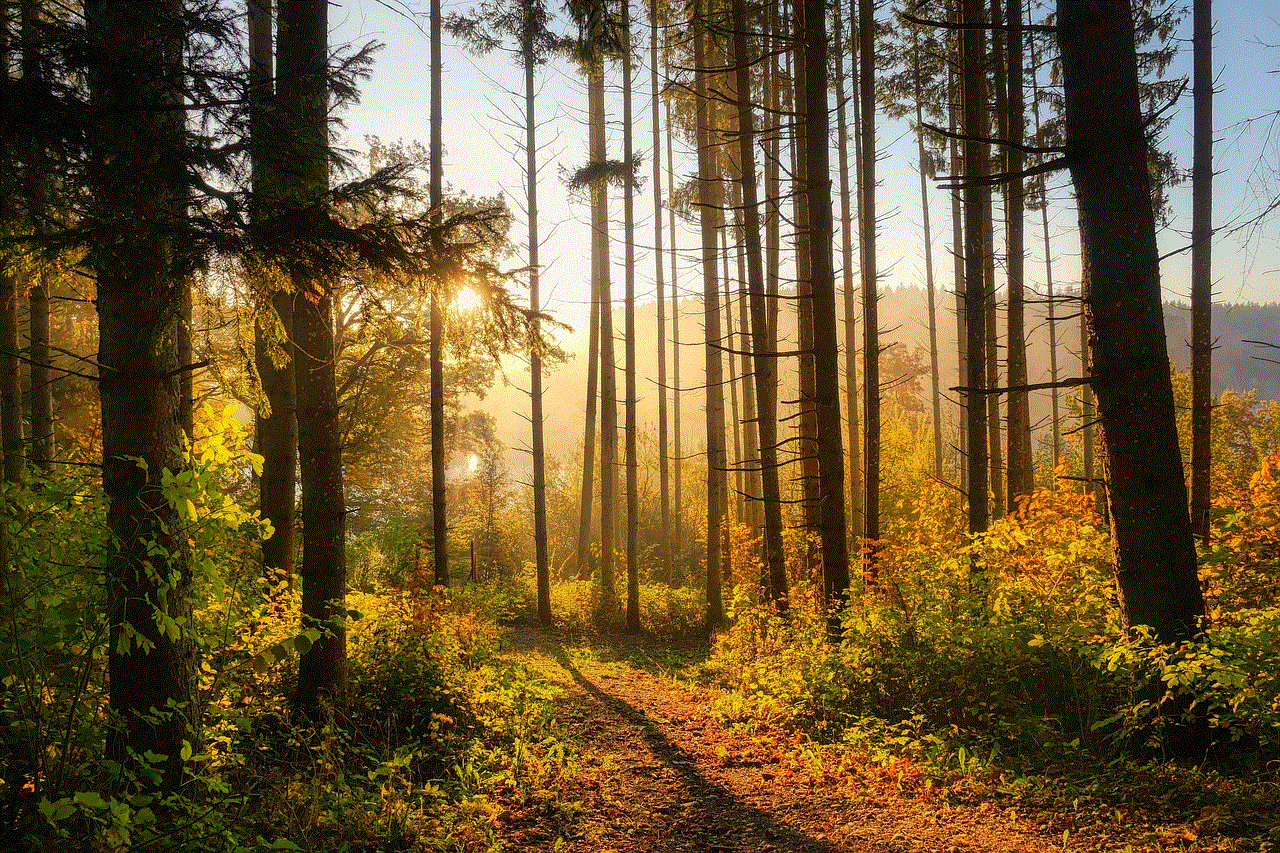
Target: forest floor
x,y
657,771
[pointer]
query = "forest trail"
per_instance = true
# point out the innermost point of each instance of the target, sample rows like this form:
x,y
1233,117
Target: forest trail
x,y
660,774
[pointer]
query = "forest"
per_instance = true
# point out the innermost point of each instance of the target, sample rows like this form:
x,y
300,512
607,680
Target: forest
x,y
322,528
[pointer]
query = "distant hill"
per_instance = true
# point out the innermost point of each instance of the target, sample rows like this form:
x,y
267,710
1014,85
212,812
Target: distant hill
x,y
903,321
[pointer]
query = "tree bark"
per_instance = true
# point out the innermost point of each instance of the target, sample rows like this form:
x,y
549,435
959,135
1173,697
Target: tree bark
x,y
1202,269
710,208
677,527
977,205
608,363
1021,472
439,463
847,220
542,566
1107,151
664,461
935,395
139,188
834,529
303,99
10,379
43,438
629,342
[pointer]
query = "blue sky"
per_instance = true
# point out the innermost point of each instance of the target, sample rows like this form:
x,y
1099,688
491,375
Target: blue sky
x,y
482,159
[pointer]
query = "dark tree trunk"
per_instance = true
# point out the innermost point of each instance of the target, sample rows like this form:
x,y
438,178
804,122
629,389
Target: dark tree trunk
x,y
542,565
10,379
870,285
1107,151
587,494
138,191
935,395
303,103
277,427
1021,473
958,282
629,343
833,528
43,440
1201,270
677,527
439,462
608,362
764,365
709,215
977,206
664,462
847,220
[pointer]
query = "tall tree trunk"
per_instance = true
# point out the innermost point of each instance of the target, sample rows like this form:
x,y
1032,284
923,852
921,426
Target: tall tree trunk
x,y
710,208
935,395
772,167
589,436
677,527
870,284
629,342
764,363
846,255
664,479
139,187
303,97
977,206
1021,475
43,440
957,278
735,419
608,363
800,172
1107,145
1056,416
995,447
1087,414
10,378
277,426
542,565
439,464
1202,269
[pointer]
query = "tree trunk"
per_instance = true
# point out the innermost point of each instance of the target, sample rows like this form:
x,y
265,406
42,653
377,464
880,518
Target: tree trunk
x,y
10,379
834,530
1056,416
977,206
664,479
589,436
764,364
995,444
709,214
870,285
139,189
677,528
542,565
935,395
957,279
1153,543
608,363
277,427
439,463
1201,269
303,98
629,342
846,255
735,419
1021,472
43,440
1107,149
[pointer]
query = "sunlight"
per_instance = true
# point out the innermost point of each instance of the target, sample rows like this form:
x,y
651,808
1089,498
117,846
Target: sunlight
x,y
473,463
467,300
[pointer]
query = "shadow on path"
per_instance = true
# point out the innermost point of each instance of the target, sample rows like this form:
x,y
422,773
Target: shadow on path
x,y
729,824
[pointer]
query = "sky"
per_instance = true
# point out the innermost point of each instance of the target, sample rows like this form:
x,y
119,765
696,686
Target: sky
x,y
481,126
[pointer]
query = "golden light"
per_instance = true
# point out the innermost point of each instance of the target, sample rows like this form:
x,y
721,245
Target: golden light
x,y
473,463
467,300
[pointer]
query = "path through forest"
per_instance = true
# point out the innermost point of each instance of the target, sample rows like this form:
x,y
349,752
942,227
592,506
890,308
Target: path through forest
x,y
659,772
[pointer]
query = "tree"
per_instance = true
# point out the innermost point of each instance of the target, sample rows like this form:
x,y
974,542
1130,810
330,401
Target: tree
x,y
276,422
1202,268
303,102
629,336
138,192
710,207
659,264
833,529
439,517
1107,153
764,361
526,21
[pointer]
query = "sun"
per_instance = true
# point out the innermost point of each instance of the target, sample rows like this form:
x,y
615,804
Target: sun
x,y
467,300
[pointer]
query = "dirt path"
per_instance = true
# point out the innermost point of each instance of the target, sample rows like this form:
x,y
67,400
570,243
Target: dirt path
x,y
660,773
